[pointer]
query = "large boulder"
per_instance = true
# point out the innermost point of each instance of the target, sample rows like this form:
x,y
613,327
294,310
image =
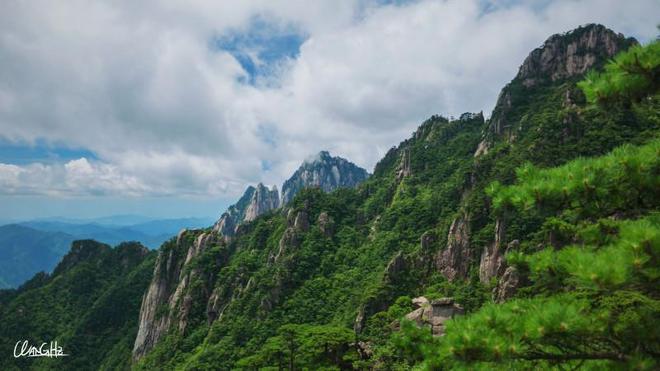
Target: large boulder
x,y
433,314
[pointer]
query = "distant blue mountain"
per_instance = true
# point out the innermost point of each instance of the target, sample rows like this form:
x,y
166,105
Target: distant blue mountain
x,y
113,220
122,220
111,235
25,251
151,233
37,245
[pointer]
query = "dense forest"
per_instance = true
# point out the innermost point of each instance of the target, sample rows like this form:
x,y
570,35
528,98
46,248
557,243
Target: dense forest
x,y
539,227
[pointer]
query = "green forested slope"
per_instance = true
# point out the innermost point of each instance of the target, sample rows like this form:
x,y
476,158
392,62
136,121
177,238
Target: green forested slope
x,y
325,272
89,305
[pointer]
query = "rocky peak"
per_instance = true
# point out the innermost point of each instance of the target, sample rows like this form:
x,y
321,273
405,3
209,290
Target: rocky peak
x,y
254,202
561,57
323,171
507,285
570,54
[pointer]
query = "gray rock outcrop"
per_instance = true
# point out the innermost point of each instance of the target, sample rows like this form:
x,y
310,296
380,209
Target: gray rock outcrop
x,y
263,200
507,285
433,313
290,239
454,261
491,263
326,224
404,169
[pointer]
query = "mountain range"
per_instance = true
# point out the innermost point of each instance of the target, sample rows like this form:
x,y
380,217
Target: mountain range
x,y
151,233
529,240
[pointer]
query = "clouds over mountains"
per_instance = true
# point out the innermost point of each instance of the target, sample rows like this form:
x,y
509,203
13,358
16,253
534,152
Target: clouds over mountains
x,y
201,97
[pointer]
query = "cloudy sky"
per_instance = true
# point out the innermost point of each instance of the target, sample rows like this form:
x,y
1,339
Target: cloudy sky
x,y
171,108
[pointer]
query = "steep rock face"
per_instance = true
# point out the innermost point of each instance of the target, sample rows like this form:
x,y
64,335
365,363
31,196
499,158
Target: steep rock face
x,y
291,237
404,169
561,57
454,261
491,263
326,224
394,268
507,285
215,307
254,202
168,301
263,200
230,219
153,323
297,224
325,172
182,297
571,54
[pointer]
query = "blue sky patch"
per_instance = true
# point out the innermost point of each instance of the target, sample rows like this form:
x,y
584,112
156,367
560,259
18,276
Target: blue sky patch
x,y
394,2
267,134
24,153
490,6
261,48
266,165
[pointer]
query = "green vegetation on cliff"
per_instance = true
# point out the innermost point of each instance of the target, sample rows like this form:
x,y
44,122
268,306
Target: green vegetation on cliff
x,y
592,266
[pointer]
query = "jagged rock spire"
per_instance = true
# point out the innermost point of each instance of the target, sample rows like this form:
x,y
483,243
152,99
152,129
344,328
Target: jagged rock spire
x,y
254,202
323,171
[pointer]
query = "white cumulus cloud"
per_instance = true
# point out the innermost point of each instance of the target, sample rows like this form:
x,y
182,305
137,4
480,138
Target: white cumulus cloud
x,y
143,86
